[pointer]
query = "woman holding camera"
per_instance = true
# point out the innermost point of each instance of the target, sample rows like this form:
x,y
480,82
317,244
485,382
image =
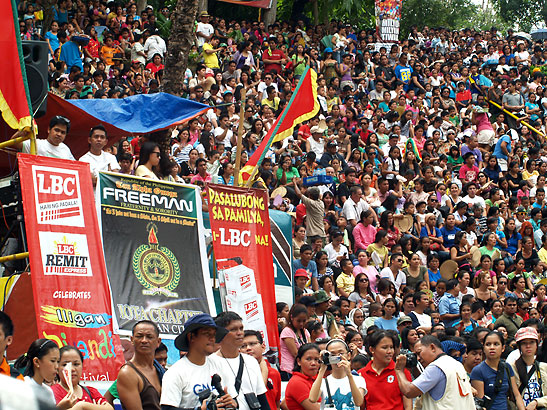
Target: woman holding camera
x,y
341,389
379,374
305,370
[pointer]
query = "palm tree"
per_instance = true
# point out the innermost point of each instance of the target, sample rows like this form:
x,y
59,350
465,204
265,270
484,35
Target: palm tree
x,y
178,46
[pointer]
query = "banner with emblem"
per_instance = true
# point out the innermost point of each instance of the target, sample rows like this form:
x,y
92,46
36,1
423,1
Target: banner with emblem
x,y
242,244
69,282
155,251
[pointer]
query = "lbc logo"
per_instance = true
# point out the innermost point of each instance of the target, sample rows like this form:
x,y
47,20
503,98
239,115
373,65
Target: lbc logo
x,y
55,186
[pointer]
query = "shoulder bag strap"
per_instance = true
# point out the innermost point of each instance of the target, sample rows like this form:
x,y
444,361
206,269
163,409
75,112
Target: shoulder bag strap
x,y
497,385
329,395
237,384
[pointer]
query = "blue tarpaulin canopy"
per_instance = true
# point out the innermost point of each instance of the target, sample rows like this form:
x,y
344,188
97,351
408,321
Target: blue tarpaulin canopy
x,y
135,115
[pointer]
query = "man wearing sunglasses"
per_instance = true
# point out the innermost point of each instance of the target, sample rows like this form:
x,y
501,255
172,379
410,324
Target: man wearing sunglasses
x,y
53,146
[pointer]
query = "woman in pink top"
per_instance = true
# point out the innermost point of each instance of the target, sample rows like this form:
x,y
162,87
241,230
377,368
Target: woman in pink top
x,y
292,337
364,232
363,267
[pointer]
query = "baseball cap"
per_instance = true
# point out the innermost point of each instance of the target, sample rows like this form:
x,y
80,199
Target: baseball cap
x,y
404,319
317,129
197,322
331,144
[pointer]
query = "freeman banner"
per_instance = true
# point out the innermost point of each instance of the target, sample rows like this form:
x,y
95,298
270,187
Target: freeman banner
x,y
242,243
69,281
388,18
155,251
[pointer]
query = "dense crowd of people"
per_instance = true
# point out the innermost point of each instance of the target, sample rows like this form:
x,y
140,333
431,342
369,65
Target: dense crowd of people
x,y
428,232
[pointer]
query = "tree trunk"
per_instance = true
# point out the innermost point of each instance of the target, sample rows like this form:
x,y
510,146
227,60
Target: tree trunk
x,y
141,5
202,5
315,12
180,41
270,14
48,15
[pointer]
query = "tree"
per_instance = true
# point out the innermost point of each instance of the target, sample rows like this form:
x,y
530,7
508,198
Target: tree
x,y
453,14
178,47
524,13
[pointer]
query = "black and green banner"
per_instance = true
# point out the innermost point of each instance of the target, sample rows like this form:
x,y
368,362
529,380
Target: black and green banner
x,y
154,249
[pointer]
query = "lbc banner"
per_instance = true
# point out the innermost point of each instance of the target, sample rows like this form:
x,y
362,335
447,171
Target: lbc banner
x,y
155,251
70,286
242,242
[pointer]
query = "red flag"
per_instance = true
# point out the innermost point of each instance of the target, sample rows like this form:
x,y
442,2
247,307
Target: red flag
x,y
14,95
302,106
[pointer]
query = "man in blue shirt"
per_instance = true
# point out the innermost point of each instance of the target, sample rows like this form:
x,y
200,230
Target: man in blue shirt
x,y
403,71
305,262
449,305
70,52
502,151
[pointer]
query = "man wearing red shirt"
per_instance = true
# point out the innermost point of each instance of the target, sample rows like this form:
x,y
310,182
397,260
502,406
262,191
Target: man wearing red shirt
x,y
253,345
273,58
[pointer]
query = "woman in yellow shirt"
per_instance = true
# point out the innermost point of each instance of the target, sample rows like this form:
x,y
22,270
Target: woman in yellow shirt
x,y
378,250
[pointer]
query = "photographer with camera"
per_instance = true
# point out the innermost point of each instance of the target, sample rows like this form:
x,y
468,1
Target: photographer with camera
x,y
341,389
444,383
188,382
242,372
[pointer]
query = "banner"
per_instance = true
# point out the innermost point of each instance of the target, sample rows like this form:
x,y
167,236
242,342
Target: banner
x,y
388,16
264,4
70,286
302,106
281,227
14,93
155,251
242,243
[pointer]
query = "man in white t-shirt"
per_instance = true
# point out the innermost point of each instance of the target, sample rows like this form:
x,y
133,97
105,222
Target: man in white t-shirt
x,y
192,374
354,205
154,45
419,318
204,31
53,146
231,361
394,273
97,159
223,133
472,198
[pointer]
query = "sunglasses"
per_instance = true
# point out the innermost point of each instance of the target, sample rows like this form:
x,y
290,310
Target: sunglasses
x,y
363,280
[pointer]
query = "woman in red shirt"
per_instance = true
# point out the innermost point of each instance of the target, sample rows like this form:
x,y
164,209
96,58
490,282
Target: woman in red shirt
x,y
382,386
155,65
304,374
89,398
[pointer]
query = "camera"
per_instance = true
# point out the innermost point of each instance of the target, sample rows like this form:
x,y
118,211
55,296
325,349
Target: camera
x,y
480,404
328,359
411,358
209,397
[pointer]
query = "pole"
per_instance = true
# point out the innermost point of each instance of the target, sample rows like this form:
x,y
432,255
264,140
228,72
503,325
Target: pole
x,y
240,132
516,118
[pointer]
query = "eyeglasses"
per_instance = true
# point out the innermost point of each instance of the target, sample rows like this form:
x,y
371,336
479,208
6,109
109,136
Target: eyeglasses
x,y
156,152
363,280
502,283
336,314
434,199
250,344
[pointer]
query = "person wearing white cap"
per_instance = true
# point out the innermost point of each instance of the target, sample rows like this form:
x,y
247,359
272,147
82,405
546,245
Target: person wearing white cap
x,y
530,375
316,143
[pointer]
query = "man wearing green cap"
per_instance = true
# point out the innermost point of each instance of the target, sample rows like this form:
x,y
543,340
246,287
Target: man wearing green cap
x,y
326,318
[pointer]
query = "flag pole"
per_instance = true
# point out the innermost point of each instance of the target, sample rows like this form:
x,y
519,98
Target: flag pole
x,y
240,132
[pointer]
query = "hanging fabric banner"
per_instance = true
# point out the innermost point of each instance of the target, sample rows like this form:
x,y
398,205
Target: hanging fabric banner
x,y
155,251
242,243
69,281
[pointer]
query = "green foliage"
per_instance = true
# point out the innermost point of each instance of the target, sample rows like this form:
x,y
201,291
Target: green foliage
x,y
524,13
452,14
356,12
